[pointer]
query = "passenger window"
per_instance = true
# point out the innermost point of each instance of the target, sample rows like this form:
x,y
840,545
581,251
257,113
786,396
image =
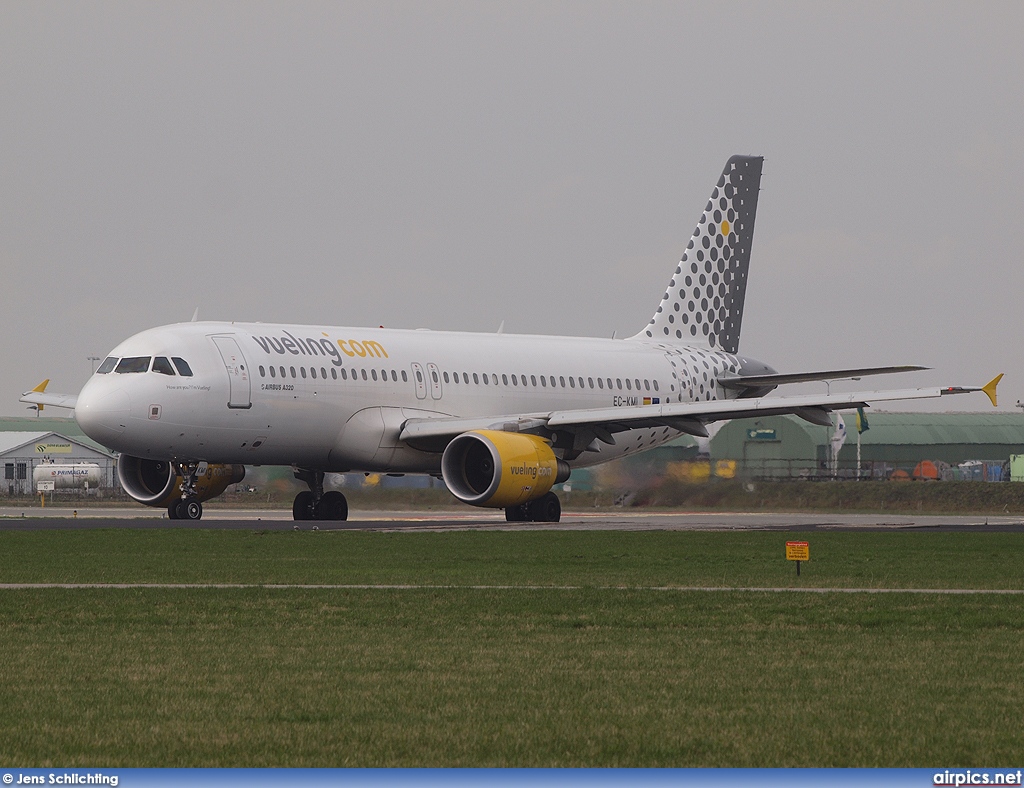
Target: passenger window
x,y
363,371
107,366
344,373
263,372
323,373
647,385
515,380
591,382
533,380
384,375
636,382
629,386
134,364
600,383
433,376
656,385
487,381
504,379
476,378
273,373
562,381
572,382
445,376
543,381
283,373
618,383
292,370
163,366
312,372
419,376
373,374
405,377
303,371
334,373
610,384
182,366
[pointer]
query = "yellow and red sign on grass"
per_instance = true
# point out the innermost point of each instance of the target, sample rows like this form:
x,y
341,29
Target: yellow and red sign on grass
x,y
798,551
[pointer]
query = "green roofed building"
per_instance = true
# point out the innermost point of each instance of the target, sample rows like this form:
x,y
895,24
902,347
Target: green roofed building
x,y
788,447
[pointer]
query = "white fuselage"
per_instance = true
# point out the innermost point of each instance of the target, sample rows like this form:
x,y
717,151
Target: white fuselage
x,y
335,399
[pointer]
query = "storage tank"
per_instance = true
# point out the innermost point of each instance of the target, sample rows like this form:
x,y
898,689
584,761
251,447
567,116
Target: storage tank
x,y
68,476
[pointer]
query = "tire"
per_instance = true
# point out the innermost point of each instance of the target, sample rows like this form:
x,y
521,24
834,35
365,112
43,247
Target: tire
x,y
172,510
302,507
514,514
333,506
547,509
190,509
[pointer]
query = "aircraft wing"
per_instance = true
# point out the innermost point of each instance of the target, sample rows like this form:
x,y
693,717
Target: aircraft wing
x,y
688,417
38,396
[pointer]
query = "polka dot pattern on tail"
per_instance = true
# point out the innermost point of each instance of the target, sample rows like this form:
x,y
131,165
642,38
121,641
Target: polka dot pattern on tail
x,y
716,260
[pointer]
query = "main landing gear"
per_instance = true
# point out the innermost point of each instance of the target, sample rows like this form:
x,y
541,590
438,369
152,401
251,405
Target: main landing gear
x,y
546,509
315,504
188,506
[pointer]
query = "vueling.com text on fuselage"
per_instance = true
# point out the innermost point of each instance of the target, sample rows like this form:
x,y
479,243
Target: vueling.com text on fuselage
x,y
312,346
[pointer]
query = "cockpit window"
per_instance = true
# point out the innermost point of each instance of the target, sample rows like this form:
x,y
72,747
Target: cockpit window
x,y
107,366
182,366
134,364
163,366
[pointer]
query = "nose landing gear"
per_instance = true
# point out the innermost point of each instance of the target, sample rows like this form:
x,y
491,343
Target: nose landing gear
x,y
188,506
315,504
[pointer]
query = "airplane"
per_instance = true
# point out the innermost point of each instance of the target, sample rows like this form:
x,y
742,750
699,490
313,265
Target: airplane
x,y
501,418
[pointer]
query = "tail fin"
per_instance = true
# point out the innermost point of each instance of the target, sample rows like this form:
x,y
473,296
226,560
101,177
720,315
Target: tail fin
x,y
704,300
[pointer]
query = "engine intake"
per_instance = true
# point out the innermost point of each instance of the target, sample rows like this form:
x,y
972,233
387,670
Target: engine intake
x,y
500,469
157,482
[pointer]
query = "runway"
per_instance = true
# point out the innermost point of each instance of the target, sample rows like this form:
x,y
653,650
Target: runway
x,y
36,519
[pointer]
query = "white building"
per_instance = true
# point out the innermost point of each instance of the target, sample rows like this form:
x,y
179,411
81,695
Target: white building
x,y
22,452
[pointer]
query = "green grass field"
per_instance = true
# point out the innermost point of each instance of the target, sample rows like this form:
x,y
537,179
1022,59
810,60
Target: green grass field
x,y
581,661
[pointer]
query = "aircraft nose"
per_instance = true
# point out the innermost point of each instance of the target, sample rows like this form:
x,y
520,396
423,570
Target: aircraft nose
x,y
103,415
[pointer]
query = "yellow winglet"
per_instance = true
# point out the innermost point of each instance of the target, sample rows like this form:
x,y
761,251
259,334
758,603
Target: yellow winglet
x,y
41,388
990,388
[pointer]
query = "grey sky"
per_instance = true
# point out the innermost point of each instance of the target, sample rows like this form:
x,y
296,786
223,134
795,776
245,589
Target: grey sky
x,y
453,165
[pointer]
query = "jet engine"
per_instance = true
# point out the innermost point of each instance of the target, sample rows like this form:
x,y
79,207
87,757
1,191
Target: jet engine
x,y
500,469
157,482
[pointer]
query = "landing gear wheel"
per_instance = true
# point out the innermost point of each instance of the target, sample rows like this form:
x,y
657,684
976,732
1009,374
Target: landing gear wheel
x,y
302,507
172,510
189,509
546,509
516,514
332,506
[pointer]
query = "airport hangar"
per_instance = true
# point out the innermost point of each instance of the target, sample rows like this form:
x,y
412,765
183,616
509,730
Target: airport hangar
x,y
28,443
787,447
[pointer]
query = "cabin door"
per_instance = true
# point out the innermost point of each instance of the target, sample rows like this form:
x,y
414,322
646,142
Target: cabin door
x,y
240,391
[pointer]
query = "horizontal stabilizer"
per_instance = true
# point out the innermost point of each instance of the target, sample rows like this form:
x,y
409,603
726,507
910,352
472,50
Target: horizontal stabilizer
x,y
38,396
778,379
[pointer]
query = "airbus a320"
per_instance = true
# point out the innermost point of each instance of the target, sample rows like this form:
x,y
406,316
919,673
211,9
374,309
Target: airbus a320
x,y
502,418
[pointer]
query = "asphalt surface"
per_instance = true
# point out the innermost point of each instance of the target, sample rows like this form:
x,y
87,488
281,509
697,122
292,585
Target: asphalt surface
x,y
37,519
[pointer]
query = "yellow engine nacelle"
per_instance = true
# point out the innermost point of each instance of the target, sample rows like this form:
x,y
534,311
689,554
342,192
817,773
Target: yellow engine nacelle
x,y
500,469
157,482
